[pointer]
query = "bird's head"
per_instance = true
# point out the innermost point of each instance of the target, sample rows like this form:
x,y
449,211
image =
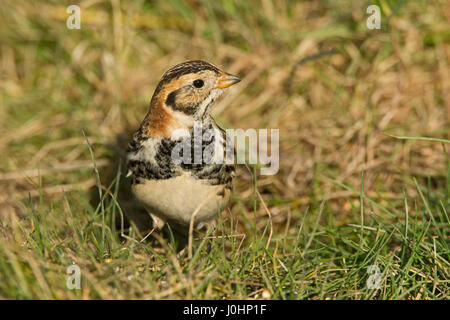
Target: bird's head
x,y
185,94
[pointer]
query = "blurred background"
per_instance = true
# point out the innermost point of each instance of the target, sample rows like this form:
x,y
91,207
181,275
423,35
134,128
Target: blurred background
x,y
338,92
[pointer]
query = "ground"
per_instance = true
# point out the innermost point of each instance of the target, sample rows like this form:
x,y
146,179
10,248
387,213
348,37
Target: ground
x,y
359,208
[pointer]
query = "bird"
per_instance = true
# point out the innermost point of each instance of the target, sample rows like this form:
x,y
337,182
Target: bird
x,y
186,192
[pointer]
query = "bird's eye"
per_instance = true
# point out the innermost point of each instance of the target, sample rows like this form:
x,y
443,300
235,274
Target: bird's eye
x,y
198,83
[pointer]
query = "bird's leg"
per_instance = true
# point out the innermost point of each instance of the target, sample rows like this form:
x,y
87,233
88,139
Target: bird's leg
x,y
158,223
207,229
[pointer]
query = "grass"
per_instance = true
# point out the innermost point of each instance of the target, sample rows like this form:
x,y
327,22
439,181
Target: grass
x,y
364,175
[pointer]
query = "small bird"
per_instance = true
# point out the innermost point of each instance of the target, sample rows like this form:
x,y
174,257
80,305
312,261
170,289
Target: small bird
x,y
171,191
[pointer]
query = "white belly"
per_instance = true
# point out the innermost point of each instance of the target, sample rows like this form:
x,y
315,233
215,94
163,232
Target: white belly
x,y
176,199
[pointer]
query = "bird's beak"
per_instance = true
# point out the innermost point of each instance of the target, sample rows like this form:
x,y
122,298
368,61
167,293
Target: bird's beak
x,y
225,80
